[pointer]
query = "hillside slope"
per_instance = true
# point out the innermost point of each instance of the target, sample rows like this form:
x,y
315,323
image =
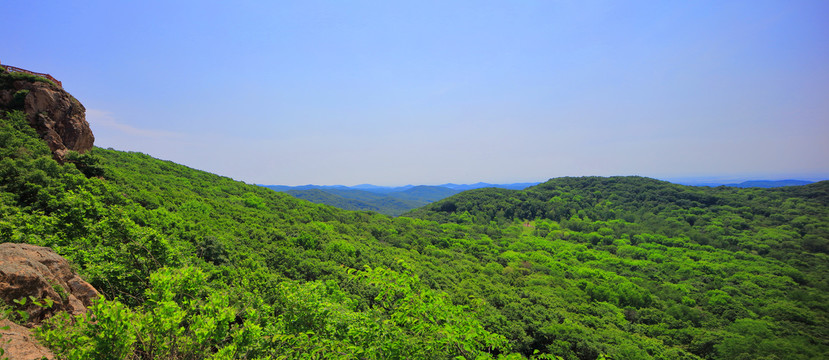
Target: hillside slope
x,y
631,268
196,265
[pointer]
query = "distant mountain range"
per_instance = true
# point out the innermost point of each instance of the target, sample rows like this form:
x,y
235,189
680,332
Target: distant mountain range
x,y
397,200
383,199
754,183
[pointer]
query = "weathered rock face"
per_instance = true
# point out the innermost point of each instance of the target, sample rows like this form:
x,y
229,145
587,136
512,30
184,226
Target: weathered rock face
x,y
28,270
19,343
59,118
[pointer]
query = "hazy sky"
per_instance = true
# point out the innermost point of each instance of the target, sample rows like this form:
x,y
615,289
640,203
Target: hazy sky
x,y
428,92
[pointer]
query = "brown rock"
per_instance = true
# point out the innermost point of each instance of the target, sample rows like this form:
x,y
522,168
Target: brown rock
x,y
28,270
59,118
19,343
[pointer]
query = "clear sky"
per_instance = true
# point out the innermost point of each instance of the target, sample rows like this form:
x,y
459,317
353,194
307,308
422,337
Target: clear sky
x,y
429,92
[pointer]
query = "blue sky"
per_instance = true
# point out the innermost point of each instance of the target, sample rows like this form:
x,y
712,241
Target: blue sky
x,y
429,92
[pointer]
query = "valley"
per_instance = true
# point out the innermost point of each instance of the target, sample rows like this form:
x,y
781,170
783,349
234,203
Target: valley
x,y
393,201
194,265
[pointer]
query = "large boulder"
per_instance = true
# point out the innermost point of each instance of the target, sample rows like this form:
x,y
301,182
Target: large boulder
x,y
35,271
58,117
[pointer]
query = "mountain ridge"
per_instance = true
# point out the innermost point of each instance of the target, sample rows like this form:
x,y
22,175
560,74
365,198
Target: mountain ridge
x,y
746,183
389,200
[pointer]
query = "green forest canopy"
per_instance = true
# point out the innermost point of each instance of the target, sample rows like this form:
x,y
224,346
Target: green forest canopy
x,y
195,265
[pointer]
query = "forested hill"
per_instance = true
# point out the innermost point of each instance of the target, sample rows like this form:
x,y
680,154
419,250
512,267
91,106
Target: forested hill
x,y
195,265
780,222
629,193
718,262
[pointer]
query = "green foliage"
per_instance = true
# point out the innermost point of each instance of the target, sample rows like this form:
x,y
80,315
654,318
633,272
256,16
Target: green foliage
x,y
104,332
195,265
252,201
7,77
183,317
19,99
88,164
433,326
18,140
180,319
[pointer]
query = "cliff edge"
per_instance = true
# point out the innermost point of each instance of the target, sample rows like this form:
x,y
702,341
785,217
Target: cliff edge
x,y
58,117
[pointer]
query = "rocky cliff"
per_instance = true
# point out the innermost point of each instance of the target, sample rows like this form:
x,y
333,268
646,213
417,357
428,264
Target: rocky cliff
x,y
58,117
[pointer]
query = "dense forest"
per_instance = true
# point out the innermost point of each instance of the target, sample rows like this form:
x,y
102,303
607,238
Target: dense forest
x,y
195,265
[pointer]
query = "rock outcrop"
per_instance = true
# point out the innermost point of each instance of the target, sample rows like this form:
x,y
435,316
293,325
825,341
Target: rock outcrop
x,y
33,271
58,117
28,270
18,343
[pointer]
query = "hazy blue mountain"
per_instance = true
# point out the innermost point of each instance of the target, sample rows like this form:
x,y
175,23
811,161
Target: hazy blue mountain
x,y
321,196
771,183
381,189
387,200
416,196
516,186
361,195
350,199
284,188
425,193
513,186
393,189
750,183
